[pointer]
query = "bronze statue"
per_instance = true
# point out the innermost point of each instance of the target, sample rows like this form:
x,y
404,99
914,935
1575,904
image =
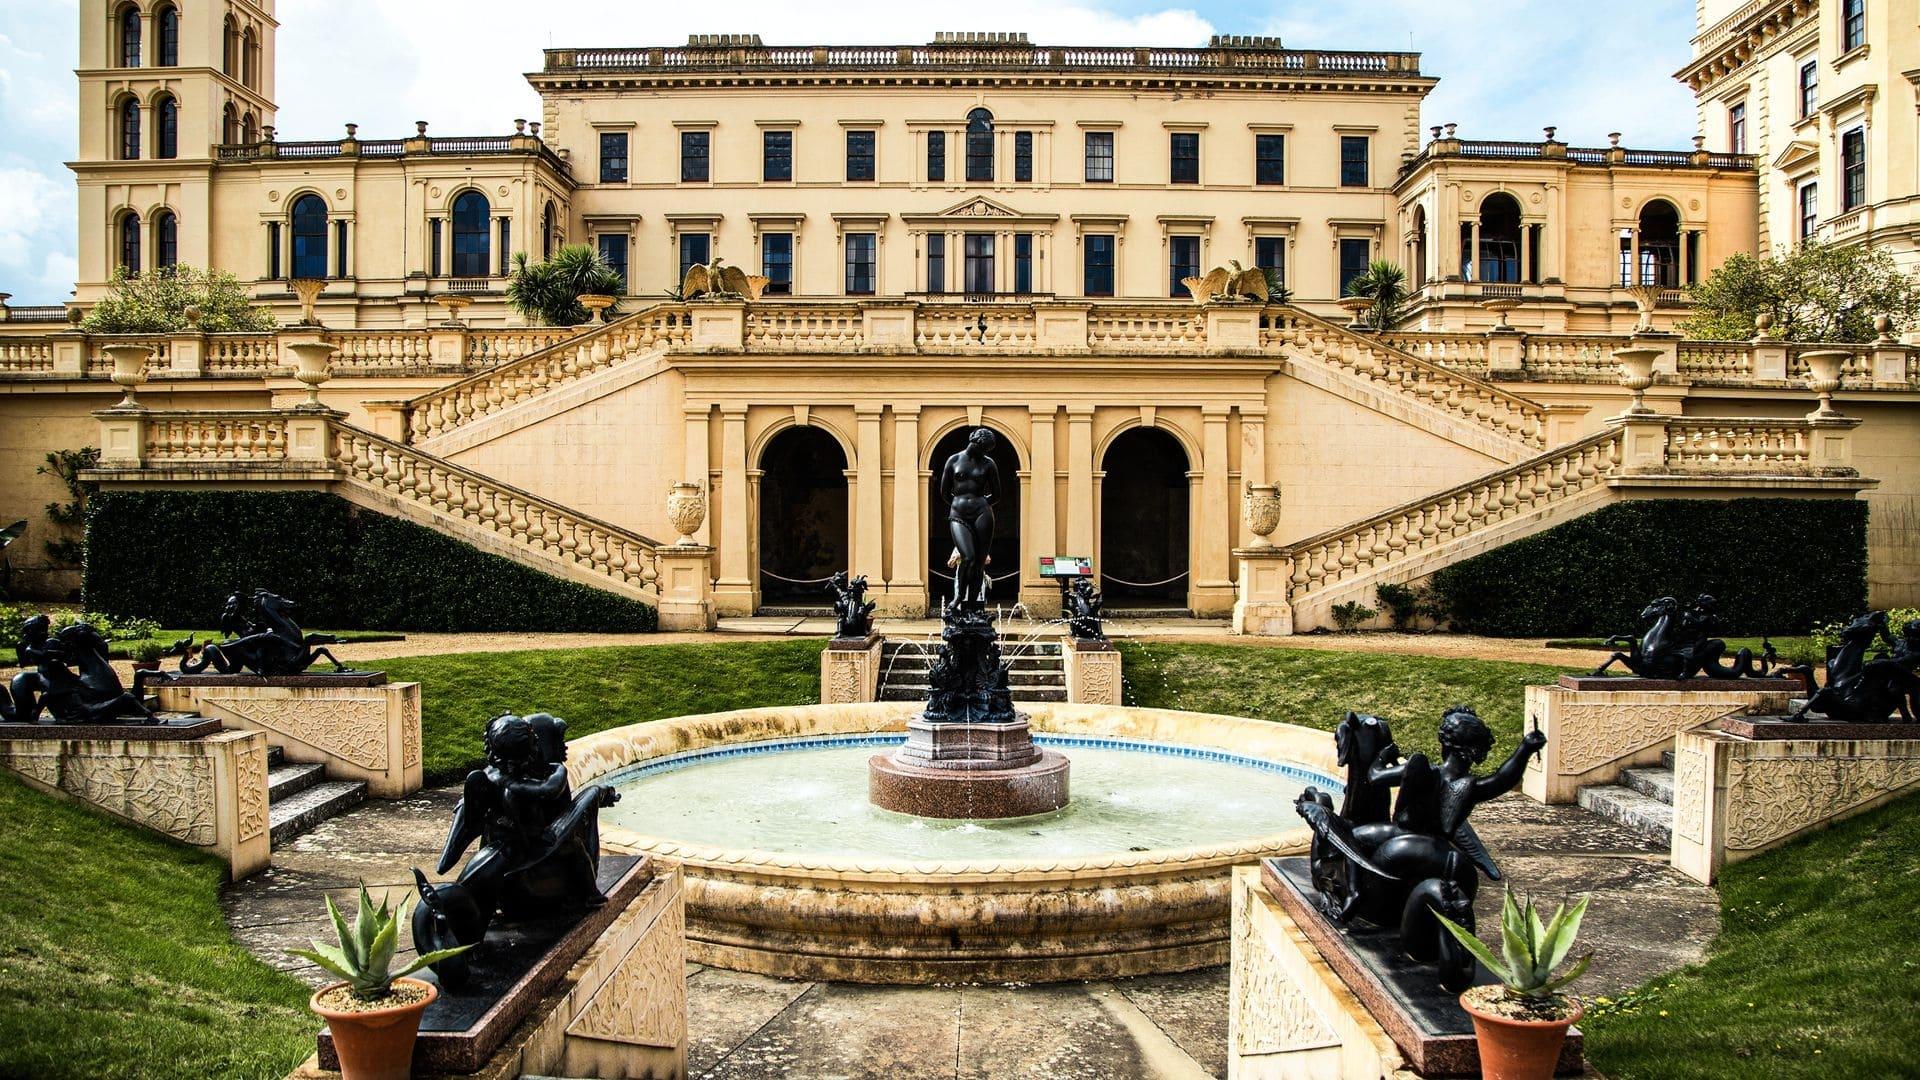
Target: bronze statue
x,y
1398,869
853,612
70,679
1080,602
1228,284
969,483
1869,691
539,842
262,639
1678,644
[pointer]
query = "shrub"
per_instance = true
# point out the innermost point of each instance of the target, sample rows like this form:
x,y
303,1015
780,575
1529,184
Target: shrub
x,y
550,291
67,465
1777,566
1351,614
156,302
1828,634
1406,604
1815,291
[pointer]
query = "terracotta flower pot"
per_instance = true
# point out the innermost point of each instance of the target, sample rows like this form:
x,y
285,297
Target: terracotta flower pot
x,y
376,1044
1518,1049
146,665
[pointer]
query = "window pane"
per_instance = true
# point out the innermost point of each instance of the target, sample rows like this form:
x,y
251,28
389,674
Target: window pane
x,y
1023,262
1100,157
613,157
776,155
1270,253
169,37
980,263
1023,157
859,155
1270,159
936,262
1809,88
310,237
613,249
1185,165
130,130
1183,261
860,260
1853,27
1809,210
1098,258
130,37
1853,167
979,145
167,237
693,157
936,155
776,262
693,249
167,138
130,243
1737,129
1353,161
1354,253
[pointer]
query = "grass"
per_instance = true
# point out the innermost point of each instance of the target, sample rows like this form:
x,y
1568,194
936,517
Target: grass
x,y
115,961
1816,972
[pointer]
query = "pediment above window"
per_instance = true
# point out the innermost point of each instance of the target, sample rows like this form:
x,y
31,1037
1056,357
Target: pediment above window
x,y
979,208
1798,156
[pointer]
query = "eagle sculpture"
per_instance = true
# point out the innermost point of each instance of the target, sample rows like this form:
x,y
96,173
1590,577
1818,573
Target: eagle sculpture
x,y
716,281
1228,283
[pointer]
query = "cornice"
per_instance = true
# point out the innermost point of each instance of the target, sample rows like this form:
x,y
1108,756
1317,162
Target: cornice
x,y
1753,31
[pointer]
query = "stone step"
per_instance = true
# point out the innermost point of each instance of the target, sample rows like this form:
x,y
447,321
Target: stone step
x,y
1666,760
1016,684
284,780
1648,780
276,757
1147,613
298,813
1007,650
1020,694
796,611
1637,811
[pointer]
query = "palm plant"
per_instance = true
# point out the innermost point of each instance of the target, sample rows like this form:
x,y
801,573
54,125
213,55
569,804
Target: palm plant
x,y
1386,285
550,291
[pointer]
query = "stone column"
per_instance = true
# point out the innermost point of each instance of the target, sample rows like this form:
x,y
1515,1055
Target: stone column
x,y
186,353
733,593
867,502
1210,589
1253,461
906,592
1079,510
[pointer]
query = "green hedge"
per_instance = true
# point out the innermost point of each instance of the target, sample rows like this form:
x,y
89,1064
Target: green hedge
x,y
1777,566
175,557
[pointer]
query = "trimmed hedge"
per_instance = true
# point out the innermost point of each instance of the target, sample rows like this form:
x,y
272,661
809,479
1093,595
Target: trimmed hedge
x,y
175,556
1777,566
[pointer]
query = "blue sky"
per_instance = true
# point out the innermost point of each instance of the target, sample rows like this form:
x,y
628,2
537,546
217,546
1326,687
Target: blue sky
x,y
1507,67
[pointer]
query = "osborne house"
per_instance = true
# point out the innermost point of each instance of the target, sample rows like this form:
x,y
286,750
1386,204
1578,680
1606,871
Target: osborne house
x,y
980,231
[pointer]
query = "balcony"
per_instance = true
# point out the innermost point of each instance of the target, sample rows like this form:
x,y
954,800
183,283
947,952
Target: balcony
x,y
456,146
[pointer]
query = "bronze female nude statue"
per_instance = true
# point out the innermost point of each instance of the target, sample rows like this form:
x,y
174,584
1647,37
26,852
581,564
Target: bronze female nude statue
x,y
969,483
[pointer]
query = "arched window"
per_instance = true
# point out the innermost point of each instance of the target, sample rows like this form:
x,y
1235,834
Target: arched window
x,y
166,240
229,44
1419,246
549,230
229,125
309,236
130,242
1499,259
1659,239
129,36
166,133
979,145
129,130
471,215
168,20
248,133
249,60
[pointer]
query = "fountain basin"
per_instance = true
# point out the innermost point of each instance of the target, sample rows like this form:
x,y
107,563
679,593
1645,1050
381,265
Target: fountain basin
x,y
869,916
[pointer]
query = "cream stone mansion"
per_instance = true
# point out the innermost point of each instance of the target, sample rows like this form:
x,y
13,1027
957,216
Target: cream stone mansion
x,y
981,230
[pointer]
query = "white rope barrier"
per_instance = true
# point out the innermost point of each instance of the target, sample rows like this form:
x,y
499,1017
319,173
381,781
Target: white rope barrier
x,y
1145,585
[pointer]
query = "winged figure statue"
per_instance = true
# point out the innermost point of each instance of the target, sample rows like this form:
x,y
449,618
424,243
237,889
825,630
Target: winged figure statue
x,y
718,281
1229,283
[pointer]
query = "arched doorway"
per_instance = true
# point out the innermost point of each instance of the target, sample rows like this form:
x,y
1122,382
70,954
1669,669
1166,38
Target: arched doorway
x,y
1005,568
1660,244
1499,239
803,516
1143,520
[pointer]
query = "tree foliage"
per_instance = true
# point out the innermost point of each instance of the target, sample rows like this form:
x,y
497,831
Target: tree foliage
x,y
1814,292
67,465
1386,285
549,292
156,302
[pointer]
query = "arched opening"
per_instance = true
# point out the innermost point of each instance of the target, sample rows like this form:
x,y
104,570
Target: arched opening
x,y
249,134
1419,246
130,36
229,43
166,135
249,60
1499,238
1005,565
803,515
129,130
470,240
168,20
1143,520
1660,244
979,145
549,230
229,125
130,243
309,226
166,240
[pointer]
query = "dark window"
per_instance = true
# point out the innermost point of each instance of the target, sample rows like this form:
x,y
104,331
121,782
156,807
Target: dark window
x,y
549,229
861,249
229,43
1270,253
166,240
1659,235
1023,262
1853,24
776,262
859,155
1023,157
130,36
249,59
1809,210
936,262
1809,88
613,157
1737,128
695,247
693,157
129,130
229,125
1184,163
1099,157
471,214
273,248
979,265
130,243
1853,169
167,127
309,219
248,133
613,251
1183,262
434,261
1354,253
1499,259
1098,269
169,23
1353,160
506,244
339,249
1270,159
776,155
936,156
979,145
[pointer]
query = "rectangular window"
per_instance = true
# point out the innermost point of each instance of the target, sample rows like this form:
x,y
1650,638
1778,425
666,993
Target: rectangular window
x,y
694,160
1099,157
273,250
1184,157
776,155
506,246
936,157
859,155
980,142
936,262
613,157
339,249
695,247
1183,262
776,262
1737,128
1353,160
861,249
1023,262
1853,169
1809,88
1270,253
1023,157
1354,253
1269,159
1853,24
1097,255
979,265
1809,210
613,250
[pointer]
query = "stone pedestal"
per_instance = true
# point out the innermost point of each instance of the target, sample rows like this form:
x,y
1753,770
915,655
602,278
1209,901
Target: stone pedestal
x,y
1093,672
686,587
958,785
850,670
360,726
1262,607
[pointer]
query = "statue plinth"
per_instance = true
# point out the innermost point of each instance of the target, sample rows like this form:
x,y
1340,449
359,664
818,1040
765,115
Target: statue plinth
x,y
968,746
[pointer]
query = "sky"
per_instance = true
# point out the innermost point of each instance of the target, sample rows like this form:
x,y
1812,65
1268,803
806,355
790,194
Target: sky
x,y
1506,67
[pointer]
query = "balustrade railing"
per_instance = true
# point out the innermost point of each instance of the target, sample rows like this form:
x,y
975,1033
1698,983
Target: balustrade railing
x,y
1459,352
241,354
1146,329
229,437
1715,360
804,328
26,356
99,363
1004,56
1720,446
1572,357
490,348
380,350
975,328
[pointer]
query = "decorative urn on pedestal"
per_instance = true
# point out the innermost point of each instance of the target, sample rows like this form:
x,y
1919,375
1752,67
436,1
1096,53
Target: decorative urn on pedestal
x,y
1500,309
1636,374
454,303
686,509
1645,298
129,370
1262,511
597,305
313,365
1356,309
1823,377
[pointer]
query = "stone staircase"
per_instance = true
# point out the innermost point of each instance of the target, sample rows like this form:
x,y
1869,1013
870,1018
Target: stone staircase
x,y
1642,800
300,796
1037,671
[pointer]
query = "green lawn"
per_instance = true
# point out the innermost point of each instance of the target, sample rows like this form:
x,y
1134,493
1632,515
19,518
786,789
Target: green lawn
x,y
115,961
1816,972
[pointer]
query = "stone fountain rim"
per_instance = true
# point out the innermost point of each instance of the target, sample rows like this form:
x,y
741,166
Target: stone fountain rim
x,y
605,753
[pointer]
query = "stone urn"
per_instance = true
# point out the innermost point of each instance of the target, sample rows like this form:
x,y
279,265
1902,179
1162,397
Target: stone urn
x,y
597,305
1262,511
307,291
1356,309
1636,374
129,370
1646,298
313,365
1823,376
455,304
193,315
686,509
1500,309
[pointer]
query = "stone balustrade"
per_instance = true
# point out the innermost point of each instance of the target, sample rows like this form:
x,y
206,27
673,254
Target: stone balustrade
x,y
1719,446
241,354
26,356
215,437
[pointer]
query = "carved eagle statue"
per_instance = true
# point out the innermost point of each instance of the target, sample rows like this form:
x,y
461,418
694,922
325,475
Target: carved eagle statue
x,y
1231,282
716,280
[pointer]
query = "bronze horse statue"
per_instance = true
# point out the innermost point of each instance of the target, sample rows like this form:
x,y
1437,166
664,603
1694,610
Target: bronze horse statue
x,y
1869,691
1676,644
262,639
72,680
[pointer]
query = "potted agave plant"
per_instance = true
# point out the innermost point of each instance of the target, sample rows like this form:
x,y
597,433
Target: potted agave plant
x,y
1521,1022
374,1012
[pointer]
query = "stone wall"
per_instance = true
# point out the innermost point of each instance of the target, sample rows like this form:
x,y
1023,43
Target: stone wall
x,y
369,733
1594,734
